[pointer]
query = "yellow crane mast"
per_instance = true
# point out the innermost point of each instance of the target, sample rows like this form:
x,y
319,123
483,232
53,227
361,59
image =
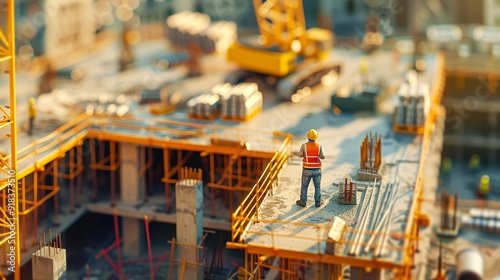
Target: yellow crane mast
x,y
284,49
8,164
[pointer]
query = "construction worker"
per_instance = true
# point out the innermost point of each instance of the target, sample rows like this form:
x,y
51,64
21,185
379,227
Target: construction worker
x,y
311,154
31,115
446,166
474,163
484,186
363,69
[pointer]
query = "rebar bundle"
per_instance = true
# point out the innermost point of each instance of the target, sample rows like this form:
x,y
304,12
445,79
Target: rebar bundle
x,y
371,149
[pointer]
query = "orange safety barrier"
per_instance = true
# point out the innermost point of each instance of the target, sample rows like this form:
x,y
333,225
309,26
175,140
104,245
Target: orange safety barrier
x,y
411,232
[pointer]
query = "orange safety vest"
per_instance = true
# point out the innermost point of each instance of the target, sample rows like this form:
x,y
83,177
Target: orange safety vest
x,y
311,157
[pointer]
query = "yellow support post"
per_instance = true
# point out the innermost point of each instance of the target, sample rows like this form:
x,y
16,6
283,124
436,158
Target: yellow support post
x,y
7,53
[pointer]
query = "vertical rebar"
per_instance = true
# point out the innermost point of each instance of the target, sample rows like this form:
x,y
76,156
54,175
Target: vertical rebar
x,y
350,192
345,189
455,205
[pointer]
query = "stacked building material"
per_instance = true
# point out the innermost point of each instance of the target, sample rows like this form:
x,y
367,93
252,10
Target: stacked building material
x,y
484,219
242,102
413,106
218,37
205,106
239,102
485,39
449,225
190,28
184,27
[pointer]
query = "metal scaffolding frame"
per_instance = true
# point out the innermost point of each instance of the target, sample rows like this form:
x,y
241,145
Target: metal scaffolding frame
x,y
99,161
9,180
63,148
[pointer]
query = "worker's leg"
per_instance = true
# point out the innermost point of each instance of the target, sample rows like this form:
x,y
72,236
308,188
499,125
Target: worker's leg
x,y
306,179
317,186
30,126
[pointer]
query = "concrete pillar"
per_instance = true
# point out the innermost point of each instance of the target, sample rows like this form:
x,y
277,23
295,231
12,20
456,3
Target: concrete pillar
x,y
189,209
132,186
134,237
49,263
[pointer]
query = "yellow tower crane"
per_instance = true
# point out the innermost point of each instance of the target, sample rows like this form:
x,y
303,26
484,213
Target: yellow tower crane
x,y
8,164
285,49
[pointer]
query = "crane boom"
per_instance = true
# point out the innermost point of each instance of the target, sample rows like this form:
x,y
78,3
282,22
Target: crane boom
x,y
285,49
281,23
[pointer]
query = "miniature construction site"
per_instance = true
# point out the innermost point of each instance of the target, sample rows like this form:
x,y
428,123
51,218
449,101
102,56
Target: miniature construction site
x,y
238,139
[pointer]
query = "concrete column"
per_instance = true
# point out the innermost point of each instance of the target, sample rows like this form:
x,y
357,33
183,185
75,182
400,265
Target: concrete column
x,y
189,209
49,263
134,237
132,186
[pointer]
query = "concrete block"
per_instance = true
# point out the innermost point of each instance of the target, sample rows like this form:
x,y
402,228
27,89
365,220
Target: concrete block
x,y
49,263
367,176
189,209
132,186
341,194
134,236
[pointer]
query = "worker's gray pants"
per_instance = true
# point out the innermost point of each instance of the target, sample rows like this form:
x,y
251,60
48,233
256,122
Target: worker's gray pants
x,y
307,175
30,125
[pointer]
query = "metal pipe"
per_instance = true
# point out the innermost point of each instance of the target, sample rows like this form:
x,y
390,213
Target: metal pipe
x,y
381,248
382,221
470,264
117,238
345,189
350,192
359,235
386,197
150,253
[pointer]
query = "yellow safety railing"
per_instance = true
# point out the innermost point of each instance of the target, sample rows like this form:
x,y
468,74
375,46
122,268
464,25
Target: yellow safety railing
x,y
411,232
248,211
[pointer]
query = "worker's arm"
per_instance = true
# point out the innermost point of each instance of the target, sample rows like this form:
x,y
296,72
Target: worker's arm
x,y
321,152
301,151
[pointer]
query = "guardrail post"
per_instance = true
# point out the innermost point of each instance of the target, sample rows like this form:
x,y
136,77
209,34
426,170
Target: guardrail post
x,y
257,191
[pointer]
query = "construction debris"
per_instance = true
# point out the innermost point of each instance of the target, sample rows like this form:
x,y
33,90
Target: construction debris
x,y
335,234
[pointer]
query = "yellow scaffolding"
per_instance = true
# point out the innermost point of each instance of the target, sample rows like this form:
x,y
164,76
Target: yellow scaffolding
x,y
9,184
63,147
